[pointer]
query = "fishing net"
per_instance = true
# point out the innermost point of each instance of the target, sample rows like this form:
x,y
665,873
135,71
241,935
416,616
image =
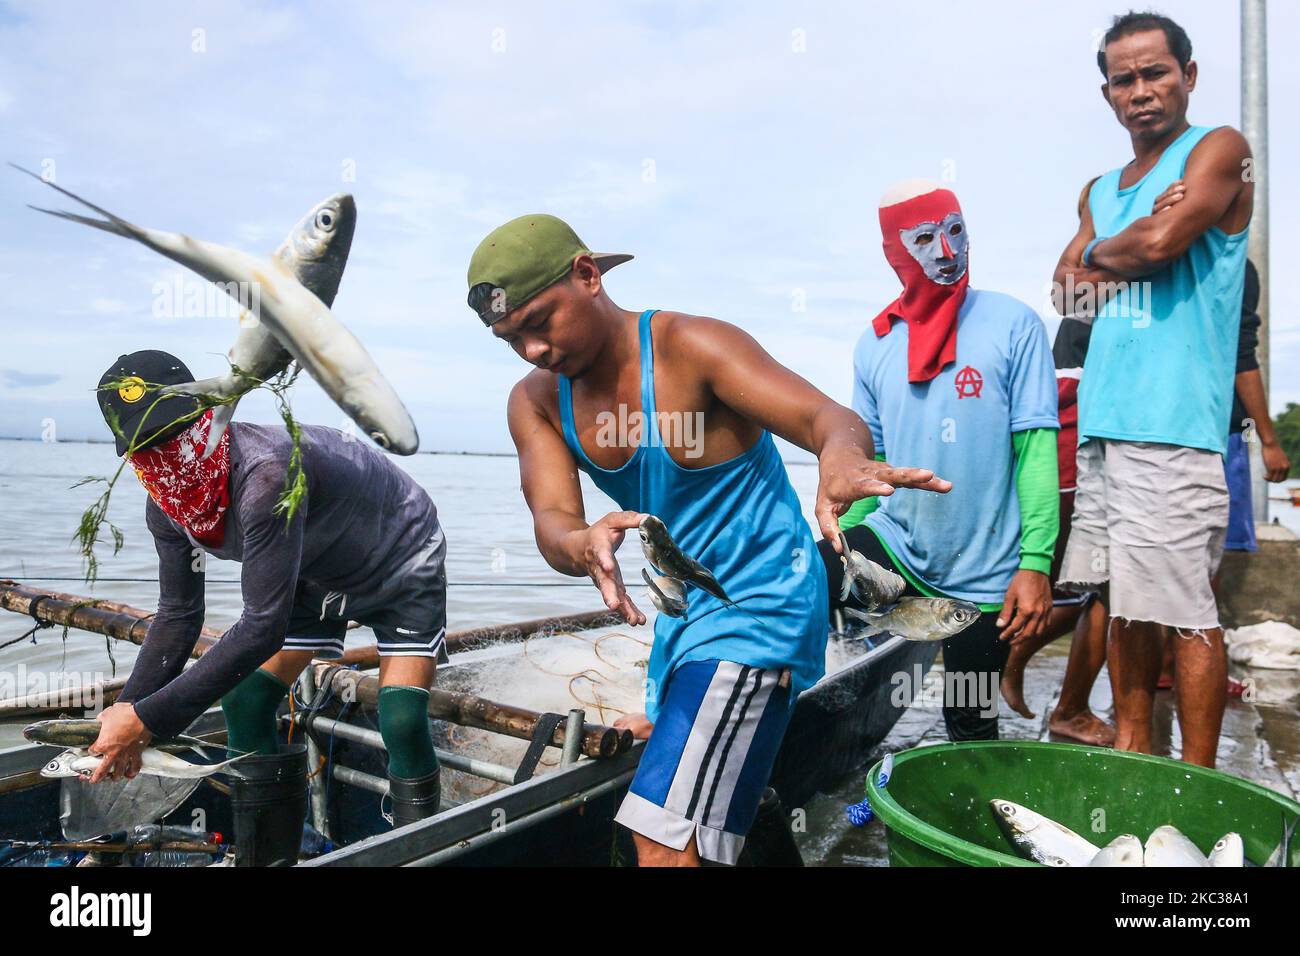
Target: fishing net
x,y
87,811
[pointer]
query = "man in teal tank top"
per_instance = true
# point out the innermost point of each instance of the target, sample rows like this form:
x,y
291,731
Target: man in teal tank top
x,y
1159,260
672,415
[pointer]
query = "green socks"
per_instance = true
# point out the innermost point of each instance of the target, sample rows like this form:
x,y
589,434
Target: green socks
x,y
404,725
403,722
250,713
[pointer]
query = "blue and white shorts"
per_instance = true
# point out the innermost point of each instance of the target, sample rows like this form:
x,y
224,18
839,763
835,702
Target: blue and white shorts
x,y
407,611
708,758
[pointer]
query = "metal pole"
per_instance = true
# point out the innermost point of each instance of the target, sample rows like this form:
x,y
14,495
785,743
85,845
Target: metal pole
x,y
372,738
1254,126
573,736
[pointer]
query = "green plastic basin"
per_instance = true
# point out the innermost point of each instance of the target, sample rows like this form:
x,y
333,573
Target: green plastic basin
x,y
936,803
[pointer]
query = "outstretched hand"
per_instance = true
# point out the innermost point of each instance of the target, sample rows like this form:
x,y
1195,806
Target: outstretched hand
x,y
848,476
599,543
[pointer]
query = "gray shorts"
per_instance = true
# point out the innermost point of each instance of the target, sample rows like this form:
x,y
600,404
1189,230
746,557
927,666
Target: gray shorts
x,y
1150,520
407,610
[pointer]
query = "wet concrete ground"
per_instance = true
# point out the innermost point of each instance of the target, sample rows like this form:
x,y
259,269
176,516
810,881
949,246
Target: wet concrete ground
x,y
1260,742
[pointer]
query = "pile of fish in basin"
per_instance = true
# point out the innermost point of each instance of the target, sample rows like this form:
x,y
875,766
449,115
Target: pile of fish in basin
x,y
1008,802
1045,841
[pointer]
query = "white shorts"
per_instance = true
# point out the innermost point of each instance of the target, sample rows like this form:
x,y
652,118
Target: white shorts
x,y
1150,520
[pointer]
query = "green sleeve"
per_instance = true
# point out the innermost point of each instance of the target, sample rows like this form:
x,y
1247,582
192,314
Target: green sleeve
x,y
1039,489
859,510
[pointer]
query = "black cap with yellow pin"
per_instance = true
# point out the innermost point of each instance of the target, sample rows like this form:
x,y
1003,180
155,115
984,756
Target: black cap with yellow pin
x,y
129,399
522,258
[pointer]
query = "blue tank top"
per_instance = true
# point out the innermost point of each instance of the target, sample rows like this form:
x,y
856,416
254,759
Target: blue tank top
x,y
1162,358
742,520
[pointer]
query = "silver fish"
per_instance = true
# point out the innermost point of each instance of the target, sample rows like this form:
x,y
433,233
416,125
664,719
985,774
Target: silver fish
x,y
668,594
1281,855
918,618
316,252
1040,839
302,323
83,763
661,551
79,733
1124,850
867,581
1166,846
1229,851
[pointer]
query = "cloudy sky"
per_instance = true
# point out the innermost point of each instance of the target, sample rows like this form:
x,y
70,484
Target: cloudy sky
x,y
738,150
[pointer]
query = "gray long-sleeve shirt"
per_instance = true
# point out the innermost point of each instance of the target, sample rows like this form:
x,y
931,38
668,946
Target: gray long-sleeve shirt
x,y
361,518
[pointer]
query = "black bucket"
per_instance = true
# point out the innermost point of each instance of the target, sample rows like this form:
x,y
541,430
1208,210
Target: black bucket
x,y
268,799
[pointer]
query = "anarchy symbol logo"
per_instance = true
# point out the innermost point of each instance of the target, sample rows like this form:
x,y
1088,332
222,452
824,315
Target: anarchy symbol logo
x,y
969,382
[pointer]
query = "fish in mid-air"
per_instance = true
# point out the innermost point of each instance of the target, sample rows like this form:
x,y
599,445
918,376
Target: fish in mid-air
x,y
1040,839
918,618
316,252
82,763
668,559
1124,850
300,321
867,581
1167,846
668,594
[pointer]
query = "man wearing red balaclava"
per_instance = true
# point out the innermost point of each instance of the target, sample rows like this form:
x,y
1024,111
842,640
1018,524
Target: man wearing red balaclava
x,y
961,381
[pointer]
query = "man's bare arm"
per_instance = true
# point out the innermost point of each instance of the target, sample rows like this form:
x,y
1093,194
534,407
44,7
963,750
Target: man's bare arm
x,y
549,477
1079,290
748,380
1214,180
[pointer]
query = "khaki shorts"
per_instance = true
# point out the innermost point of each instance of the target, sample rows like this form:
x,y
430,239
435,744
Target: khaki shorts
x,y
1150,520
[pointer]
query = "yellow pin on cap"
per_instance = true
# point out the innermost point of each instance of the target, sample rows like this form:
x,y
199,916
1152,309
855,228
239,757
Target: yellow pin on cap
x,y
132,390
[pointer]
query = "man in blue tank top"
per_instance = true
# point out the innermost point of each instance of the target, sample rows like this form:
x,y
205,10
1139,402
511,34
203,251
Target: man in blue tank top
x,y
1159,259
671,415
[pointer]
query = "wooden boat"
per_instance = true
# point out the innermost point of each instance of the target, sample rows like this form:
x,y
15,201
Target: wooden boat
x,y
560,817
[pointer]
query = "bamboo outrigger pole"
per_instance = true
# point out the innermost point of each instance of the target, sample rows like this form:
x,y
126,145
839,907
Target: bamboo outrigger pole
x,y
126,623
123,622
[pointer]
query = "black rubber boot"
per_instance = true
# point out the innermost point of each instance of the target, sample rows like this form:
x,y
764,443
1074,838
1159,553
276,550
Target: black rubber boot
x,y
770,841
414,799
269,802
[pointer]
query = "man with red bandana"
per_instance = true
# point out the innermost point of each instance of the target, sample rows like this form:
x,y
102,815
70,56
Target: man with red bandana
x,y
364,543
959,381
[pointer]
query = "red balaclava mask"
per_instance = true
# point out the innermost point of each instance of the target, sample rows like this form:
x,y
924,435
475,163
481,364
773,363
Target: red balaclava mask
x,y
190,489
925,242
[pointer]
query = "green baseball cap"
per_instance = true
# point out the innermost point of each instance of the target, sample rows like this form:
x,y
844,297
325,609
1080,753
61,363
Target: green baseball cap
x,y
522,258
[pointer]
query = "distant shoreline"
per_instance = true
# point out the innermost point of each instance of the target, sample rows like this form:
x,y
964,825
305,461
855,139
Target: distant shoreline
x,y
459,454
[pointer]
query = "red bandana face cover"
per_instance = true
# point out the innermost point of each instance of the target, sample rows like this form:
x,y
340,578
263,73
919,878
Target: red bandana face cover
x,y
190,490
925,242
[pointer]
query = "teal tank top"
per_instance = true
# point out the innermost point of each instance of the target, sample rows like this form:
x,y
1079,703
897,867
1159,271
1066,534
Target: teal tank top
x,y
1162,360
741,519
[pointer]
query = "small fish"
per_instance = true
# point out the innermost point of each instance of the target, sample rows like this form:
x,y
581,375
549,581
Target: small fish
x,y
919,618
316,252
1124,850
1281,855
668,594
661,551
1166,846
1229,851
79,733
83,763
1040,839
302,323
867,581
